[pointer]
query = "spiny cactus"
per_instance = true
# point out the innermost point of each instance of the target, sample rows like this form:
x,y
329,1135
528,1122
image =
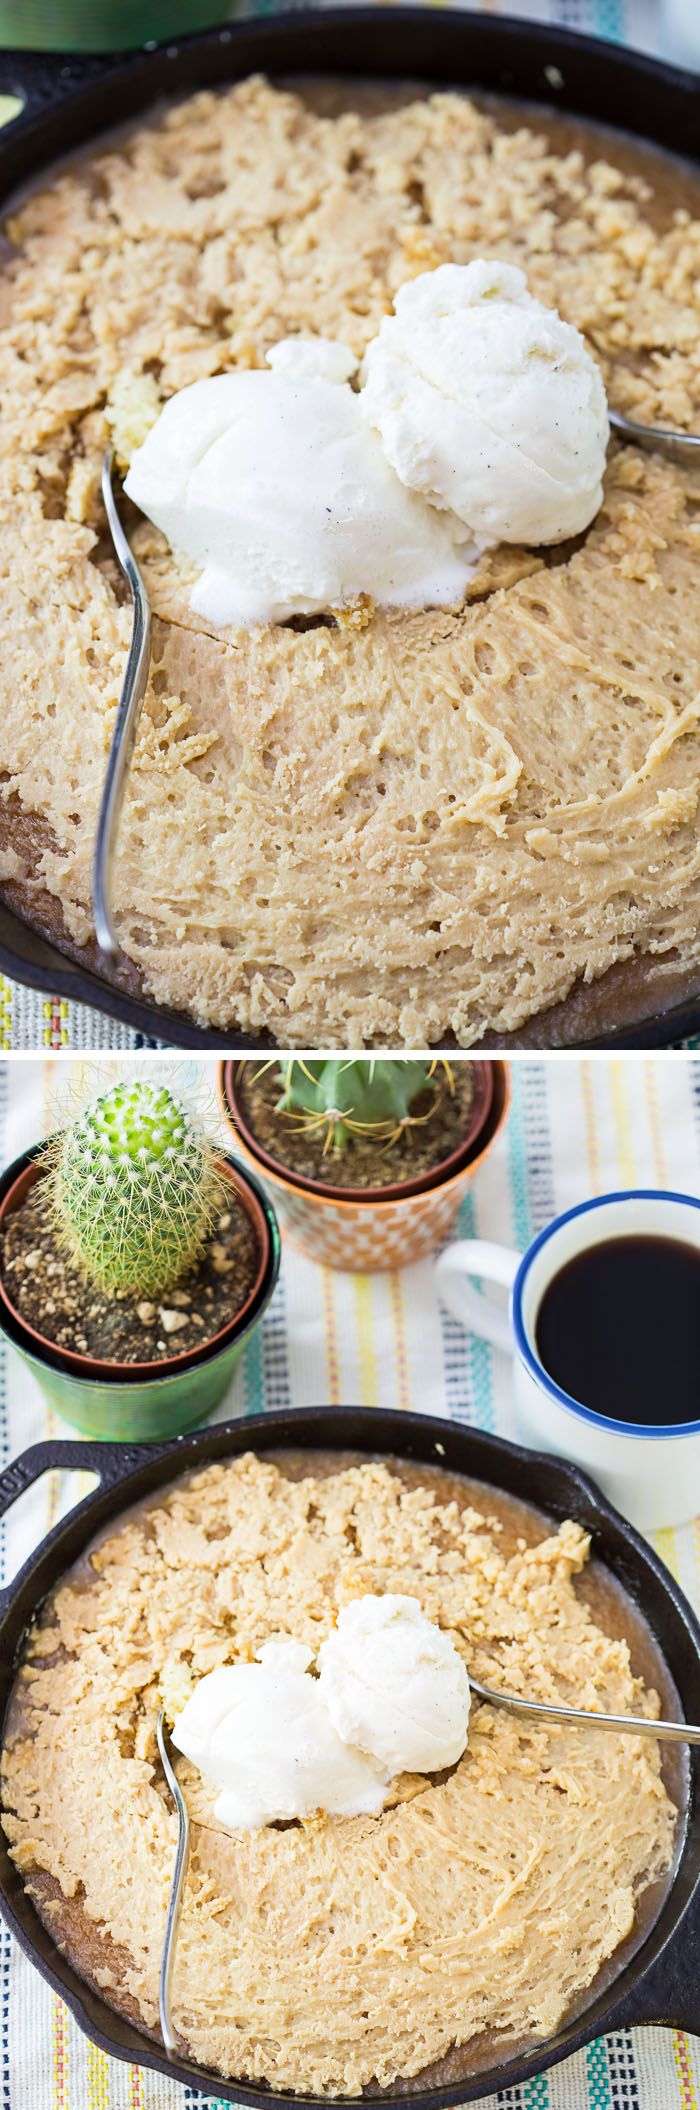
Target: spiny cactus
x,y
135,1190
354,1097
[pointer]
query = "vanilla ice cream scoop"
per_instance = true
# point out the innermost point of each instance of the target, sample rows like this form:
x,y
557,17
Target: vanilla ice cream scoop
x,y
262,1733
488,404
394,1685
278,489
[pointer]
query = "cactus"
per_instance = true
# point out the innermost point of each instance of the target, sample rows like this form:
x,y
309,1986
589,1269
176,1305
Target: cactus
x,y
135,1190
356,1097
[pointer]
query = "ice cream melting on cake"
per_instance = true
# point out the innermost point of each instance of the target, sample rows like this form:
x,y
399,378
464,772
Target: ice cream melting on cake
x,y
481,418
276,484
392,1696
489,405
395,1686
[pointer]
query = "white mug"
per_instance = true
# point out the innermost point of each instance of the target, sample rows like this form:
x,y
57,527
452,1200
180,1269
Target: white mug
x,y
651,1473
679,39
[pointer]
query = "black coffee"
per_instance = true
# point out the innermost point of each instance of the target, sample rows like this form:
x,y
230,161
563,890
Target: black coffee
x,y
619,1329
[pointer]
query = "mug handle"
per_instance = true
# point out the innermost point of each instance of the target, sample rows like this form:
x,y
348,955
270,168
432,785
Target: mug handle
x,y
494,1263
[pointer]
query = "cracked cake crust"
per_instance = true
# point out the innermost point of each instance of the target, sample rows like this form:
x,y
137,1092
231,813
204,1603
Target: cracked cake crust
x,y
335,1954
390,827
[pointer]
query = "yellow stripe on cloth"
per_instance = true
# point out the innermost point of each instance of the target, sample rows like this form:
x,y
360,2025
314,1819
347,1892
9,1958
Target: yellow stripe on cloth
x,y
619,1094
366,1351
5,1012
98,2095
655,1122
664,1543
685,2078
588,1074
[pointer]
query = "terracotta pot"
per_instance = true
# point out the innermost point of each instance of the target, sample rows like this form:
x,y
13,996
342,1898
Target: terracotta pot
x,y
382,1229
145,1400
395,1190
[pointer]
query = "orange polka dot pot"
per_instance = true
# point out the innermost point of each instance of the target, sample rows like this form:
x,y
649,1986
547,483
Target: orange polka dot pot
x,y
384,1228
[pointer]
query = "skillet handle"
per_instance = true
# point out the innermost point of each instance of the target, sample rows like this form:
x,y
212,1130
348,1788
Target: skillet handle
x,y
41,79
111,1462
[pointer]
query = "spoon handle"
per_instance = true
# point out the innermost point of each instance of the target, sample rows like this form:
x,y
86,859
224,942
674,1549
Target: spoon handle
x,y
680,446
176,1892
636,1724
126,726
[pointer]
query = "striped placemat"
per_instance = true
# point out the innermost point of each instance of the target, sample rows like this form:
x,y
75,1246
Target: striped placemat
x,y
577,1127
31,1021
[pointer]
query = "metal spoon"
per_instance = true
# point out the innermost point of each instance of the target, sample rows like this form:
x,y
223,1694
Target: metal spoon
x,y
635,1724
680,446
126,726
660,439
177,1887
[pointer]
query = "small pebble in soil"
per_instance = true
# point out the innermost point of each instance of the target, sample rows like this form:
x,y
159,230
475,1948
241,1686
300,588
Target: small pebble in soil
x,y
123,1327
220,1259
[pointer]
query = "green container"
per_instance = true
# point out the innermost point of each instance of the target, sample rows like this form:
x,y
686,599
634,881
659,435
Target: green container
x,y
143,1408
130,1410
116,25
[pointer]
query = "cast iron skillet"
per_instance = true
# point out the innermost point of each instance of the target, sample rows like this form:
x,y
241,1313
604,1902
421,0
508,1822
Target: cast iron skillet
x,y
69,101
661,1982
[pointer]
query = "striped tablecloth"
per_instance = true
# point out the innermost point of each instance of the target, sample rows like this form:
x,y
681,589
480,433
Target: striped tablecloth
x,y
30,1020
577,1127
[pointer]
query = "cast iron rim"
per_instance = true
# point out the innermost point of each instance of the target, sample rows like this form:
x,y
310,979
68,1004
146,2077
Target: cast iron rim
x,y
561,1489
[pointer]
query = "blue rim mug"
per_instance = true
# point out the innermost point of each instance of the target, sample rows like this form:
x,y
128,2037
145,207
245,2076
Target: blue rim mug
x,y
650,1471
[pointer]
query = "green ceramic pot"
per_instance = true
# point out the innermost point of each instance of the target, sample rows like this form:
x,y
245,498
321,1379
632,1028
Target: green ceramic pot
x,y
147,1401
113,25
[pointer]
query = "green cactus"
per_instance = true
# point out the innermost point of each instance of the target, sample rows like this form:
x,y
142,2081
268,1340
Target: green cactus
x,y
356,1097
135,1190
